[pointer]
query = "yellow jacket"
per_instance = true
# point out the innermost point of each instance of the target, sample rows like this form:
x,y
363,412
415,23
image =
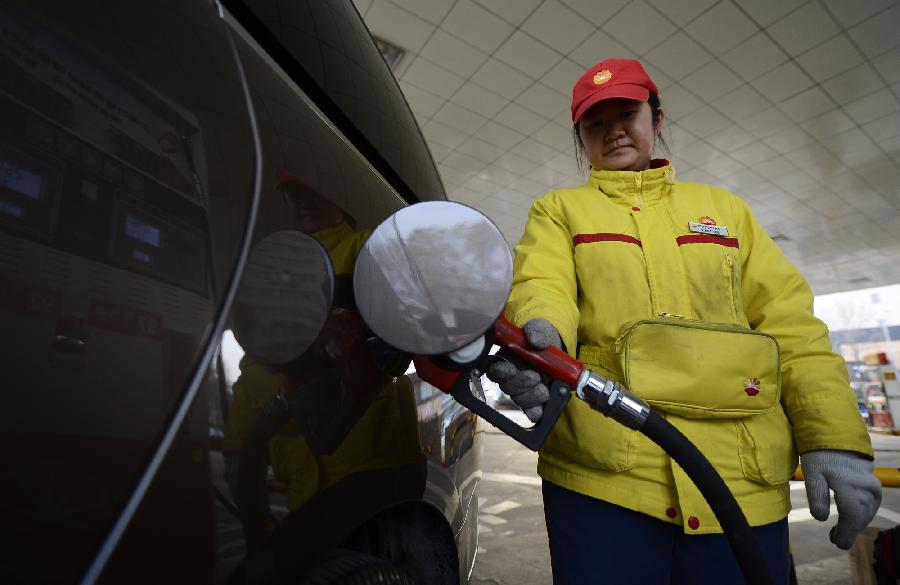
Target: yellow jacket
x,y
617,250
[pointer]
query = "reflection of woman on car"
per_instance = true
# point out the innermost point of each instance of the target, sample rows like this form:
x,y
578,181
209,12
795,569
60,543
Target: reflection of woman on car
x,y
633,250
340,424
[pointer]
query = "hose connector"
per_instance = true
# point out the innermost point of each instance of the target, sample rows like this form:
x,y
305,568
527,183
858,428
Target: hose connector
x,y
613,400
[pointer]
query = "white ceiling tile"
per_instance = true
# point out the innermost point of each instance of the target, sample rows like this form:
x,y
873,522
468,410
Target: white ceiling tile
x,y
639,26
698,153
421,118
850,13
476,26
872,106
597,11
497,175
849,143
816,160
744,179
480,149
853,84
540,98
528,55
774,167
828,124
477,99
782,82
463,162
721,166
684,11
791,138
407,31
432,78
660,79
678,56
479,185
528,186
704,122
730,138
676,135
809,104
362,5
433,11
741,103
721,28
420,101
439,151
435,132
554,24
711,81
878,34
535,151
502,79
451,175
889,65
754,57
516,197
520,119
765,123
563,76
830,58
765,12
679,102
463,195
564,163
499,135
453,54
596,48
460,118
555,136
514,163
513,11
546,176
804,28
884,128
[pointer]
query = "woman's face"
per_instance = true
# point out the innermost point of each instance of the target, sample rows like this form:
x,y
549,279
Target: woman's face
x,y
618,134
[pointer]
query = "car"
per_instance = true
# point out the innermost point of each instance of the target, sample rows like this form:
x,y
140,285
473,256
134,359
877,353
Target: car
x,y
172,416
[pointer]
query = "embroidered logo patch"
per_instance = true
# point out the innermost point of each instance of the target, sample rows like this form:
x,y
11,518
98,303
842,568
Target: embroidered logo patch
x,y
602,77
751,386
707,220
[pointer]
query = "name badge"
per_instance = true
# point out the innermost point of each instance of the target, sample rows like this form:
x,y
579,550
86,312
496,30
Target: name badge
x,y
702,228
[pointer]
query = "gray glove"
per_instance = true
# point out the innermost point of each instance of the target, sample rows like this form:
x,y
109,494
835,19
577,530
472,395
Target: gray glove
x,y
525,386
857,492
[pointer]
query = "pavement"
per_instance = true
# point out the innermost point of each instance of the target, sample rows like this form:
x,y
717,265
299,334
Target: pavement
x,y
513,539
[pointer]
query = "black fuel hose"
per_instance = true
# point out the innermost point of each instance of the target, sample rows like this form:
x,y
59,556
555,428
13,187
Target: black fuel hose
x,y
734,524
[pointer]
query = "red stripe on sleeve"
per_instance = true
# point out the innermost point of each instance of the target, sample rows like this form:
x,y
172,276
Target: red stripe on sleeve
x,y
589,238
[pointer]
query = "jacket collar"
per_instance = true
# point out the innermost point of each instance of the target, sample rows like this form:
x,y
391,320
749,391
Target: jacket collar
x,y
644,187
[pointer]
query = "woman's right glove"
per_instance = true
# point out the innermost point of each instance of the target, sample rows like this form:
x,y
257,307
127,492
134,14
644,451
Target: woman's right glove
x,y
525,386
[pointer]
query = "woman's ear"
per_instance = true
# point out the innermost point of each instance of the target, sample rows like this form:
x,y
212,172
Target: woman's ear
x,y
660,118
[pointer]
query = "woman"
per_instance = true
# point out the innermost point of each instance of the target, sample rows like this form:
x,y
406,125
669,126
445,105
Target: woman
x,y
634,246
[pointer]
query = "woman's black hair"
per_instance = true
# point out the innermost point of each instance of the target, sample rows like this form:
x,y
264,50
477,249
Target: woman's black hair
x,y
655,111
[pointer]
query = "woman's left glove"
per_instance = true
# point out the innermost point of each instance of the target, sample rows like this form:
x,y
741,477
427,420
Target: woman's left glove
x,y
857,492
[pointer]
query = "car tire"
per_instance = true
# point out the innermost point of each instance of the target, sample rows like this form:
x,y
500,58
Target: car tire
x,y
349,567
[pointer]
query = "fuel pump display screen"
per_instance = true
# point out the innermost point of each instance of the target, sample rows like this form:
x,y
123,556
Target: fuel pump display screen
x,y
28,193
163,248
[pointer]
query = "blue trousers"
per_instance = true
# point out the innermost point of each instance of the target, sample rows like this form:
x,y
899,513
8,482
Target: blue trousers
x,y
594,542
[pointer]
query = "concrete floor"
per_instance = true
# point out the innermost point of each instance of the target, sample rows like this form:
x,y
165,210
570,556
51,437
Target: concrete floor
x,y
513,540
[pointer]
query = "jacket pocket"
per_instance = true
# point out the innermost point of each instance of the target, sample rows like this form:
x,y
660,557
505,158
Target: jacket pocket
x,y
592,440
766,447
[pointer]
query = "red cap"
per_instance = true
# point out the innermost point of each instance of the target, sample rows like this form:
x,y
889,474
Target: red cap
x,y
612,78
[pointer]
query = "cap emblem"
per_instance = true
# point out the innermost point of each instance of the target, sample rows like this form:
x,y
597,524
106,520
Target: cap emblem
x,y
707,220
602,77
751,386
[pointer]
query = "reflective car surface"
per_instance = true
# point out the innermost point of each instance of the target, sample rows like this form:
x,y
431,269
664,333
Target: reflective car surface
x,y
190,393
